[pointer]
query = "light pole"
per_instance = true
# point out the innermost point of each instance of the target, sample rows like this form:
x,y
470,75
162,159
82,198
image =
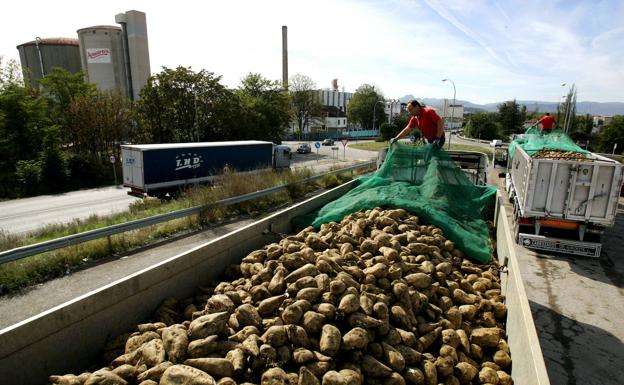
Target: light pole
x,y
452,109
379,101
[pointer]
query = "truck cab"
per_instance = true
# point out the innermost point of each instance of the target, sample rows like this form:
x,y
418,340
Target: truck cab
x,y
281,156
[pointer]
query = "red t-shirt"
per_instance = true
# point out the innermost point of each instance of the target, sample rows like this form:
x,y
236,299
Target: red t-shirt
x,y
427,123
547,122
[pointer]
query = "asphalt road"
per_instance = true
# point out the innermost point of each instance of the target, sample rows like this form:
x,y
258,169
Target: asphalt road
x,y
21,216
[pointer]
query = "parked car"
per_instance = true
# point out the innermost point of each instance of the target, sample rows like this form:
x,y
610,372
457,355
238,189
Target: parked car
x,y
496,143
328,142
304,148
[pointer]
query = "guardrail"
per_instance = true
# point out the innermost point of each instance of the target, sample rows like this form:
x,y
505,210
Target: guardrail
x,y
74,239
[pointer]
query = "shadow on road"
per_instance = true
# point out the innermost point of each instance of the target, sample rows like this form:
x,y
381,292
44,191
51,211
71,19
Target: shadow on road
x,y
575,352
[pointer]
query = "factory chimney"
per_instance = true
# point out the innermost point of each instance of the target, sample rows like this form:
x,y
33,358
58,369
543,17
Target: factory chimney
x,y
285,56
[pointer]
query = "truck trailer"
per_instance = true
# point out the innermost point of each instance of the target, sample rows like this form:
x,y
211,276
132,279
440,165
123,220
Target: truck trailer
x,y
161,169
563,204
71,336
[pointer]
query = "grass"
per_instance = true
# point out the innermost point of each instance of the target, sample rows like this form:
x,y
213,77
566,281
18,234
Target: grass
x,y
376,146
42,267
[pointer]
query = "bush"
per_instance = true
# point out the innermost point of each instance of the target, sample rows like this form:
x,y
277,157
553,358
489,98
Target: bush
x,y
53,169
28,173
388,131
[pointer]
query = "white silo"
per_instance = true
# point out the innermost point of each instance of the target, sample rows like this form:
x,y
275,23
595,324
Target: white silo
x,y
102,57
136,49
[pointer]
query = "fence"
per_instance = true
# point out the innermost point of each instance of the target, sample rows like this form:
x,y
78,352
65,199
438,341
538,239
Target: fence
x,y
74,239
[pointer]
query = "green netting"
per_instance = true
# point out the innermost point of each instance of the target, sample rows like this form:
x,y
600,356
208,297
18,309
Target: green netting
x,y
535,140
425,181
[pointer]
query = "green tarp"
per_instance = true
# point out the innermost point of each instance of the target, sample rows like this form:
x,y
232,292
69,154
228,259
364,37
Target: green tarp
x,y
425,181
534,140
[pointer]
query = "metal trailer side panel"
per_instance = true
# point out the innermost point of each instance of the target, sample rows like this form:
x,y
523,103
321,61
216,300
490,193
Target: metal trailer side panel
x,y
78,329
528,365
580,191
187,164
132,167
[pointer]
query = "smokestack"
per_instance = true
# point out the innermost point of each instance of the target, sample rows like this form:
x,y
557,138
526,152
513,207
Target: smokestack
x,y
285,56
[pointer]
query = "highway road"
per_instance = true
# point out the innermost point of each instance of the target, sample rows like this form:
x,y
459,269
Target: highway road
x,y
21,216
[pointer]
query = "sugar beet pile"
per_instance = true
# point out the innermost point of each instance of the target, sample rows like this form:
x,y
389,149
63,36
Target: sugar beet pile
x,y
377,299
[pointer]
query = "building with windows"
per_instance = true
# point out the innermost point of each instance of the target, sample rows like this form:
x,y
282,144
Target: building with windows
x,y
599,121
453,115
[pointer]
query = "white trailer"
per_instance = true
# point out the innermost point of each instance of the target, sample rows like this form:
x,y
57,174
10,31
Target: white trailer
x,y
563,205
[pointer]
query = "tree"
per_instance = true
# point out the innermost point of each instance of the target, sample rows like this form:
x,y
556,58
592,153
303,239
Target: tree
x,y
61,87
389,130
266,106
98,123
10,73
307,108
567,108
612,134
482,126
510,117
366,101
582,129
179,105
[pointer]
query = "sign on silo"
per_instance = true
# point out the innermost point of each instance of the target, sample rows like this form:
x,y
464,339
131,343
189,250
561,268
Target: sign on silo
x,y
98,55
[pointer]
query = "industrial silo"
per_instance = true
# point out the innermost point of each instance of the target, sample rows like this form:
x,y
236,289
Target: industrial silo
x,y
102,56
117,58
39,56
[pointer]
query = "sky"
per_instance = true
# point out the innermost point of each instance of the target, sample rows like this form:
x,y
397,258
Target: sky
x,y
492,50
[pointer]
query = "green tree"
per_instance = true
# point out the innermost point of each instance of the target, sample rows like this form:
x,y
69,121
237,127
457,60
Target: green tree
x,y
389,130
366,101
482,125
179,105
266,106
60,87
612,134
582,129
400,120
10,73
98,124
510,117
567,109
307,108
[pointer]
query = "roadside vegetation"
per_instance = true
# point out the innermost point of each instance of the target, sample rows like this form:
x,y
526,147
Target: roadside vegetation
x,y
40,268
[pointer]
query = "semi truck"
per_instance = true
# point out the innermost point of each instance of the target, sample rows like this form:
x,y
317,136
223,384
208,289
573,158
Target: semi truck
x,y
161,169
563,205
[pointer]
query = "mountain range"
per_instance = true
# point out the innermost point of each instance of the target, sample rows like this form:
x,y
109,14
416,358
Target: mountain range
x,y
592,108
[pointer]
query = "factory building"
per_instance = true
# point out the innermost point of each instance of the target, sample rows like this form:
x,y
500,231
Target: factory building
x,y
39,56
114,58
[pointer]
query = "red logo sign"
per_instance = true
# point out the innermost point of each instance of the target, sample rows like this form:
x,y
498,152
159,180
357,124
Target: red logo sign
x,y
98,53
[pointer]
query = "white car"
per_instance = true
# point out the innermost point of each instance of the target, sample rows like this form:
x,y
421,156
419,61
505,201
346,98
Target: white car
x,y
496,143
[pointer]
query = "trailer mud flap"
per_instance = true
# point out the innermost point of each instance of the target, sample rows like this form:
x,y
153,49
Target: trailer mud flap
x,y
558,245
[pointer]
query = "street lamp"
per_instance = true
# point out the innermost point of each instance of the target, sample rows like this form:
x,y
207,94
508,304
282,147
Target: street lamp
x,y
452,109
379,101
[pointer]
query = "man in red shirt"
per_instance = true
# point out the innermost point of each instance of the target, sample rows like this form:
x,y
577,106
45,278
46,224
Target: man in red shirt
x,y
547,122
427,120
